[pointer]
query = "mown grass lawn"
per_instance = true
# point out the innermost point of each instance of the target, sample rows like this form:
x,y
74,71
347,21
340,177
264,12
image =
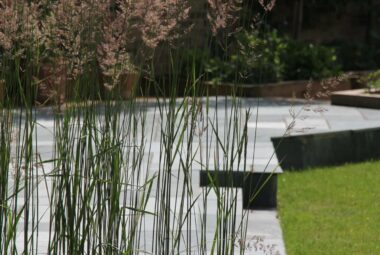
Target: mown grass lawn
x,y
331,210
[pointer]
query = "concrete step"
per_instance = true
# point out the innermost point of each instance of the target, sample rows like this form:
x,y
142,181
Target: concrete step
x,y
259,187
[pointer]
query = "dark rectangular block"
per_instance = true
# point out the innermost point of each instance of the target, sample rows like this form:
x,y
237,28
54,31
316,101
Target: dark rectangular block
x,y
313,150
327,149
259,189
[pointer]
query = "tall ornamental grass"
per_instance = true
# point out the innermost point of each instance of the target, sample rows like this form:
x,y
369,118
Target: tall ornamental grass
x,y
94,174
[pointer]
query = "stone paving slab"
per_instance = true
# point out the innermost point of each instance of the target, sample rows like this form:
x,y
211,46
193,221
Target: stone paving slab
x,y
273,120
263,152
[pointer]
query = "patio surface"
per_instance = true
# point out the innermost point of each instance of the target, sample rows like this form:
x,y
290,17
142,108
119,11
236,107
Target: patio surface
x,y
264,234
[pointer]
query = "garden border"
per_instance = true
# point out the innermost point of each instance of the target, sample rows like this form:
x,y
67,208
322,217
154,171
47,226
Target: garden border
x,y
327,149
288,89
356,98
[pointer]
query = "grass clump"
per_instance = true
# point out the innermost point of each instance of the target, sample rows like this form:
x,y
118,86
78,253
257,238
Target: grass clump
x,y
79,176
331,210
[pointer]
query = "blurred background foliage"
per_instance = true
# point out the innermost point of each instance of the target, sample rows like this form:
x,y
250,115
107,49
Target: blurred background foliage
x,y
297,40
269,57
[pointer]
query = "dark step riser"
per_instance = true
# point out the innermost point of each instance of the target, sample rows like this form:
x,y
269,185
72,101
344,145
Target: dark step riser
x,y
259,189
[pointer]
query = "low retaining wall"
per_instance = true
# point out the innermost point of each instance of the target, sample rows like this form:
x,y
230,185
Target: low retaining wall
x,y
289,89
356,98
327,149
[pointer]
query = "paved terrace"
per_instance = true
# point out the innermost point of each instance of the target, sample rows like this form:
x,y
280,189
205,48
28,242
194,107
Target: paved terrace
x,y
273,119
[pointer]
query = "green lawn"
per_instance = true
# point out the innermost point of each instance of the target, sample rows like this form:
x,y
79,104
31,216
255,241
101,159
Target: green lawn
x,y
331,210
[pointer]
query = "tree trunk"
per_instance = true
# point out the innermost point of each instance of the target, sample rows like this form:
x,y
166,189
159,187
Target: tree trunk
x,y
297,18
370,21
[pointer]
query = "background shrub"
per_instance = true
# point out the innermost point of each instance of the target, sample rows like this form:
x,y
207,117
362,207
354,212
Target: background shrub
x,y
268,57
307,60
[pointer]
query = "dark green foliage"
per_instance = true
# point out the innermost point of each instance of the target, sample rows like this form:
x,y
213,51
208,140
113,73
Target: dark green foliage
x,y
255,59
372,80
306,60
268,57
